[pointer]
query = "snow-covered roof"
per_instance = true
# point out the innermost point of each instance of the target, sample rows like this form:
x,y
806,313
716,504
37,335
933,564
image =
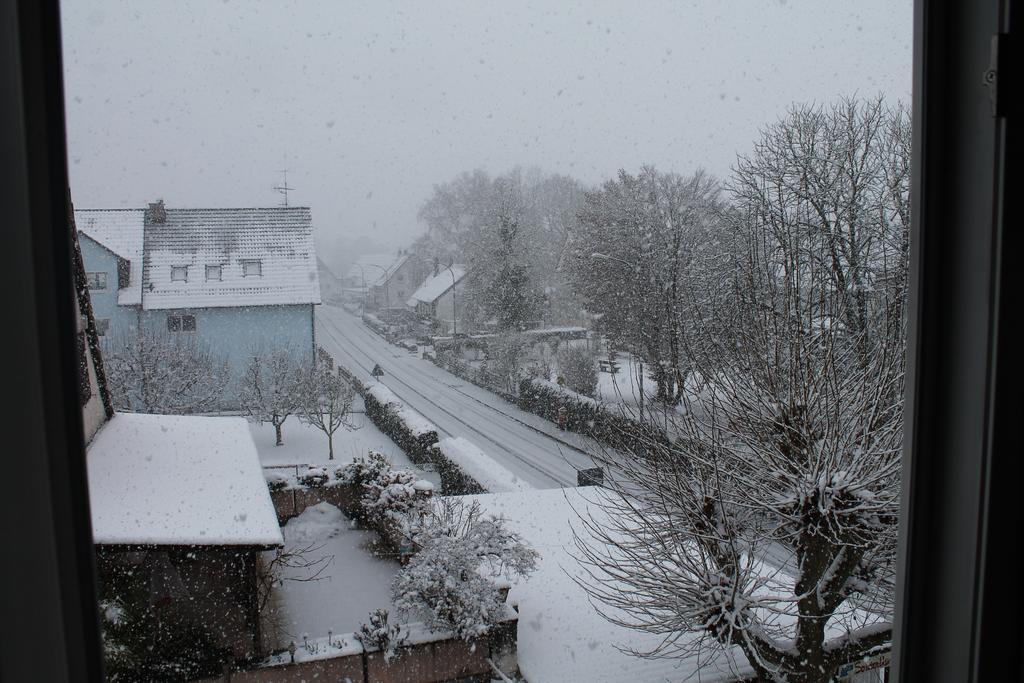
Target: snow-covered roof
x,y
279,238
436,285
562,637
178,480
376,268
120,231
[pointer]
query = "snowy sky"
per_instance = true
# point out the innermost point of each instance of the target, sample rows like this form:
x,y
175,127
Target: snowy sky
x,y
368,105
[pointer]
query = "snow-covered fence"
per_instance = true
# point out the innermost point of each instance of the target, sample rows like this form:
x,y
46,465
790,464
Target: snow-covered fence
x,y
291,497
425,656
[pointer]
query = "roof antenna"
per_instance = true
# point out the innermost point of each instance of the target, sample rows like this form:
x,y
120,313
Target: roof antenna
x,y
283,187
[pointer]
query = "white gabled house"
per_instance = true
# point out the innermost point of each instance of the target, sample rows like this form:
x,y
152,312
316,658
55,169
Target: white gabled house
x,y
238,280
440,299
383,281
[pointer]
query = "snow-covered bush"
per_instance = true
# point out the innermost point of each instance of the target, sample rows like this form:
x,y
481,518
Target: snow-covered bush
x,y
456,579
276,481
363,470
392,493
578,365
382,636
314,476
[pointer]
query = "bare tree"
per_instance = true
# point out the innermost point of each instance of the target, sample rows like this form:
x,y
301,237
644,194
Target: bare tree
x,y
152,372
271,389
300,564
326,398
769,526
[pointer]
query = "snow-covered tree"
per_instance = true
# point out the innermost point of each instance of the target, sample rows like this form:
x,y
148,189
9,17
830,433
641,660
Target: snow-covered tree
x,y
635,256
513,231
152,372
272,388
454,579
578,365
326,398
769,526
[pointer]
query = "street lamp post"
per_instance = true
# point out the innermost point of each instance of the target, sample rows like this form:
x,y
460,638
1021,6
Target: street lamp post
x,y
597,256
387,296
455,314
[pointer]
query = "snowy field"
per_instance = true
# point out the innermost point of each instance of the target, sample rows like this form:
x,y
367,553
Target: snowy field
x,y
353,581
306,445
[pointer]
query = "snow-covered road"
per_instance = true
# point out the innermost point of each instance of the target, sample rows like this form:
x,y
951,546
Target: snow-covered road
x,y
529,446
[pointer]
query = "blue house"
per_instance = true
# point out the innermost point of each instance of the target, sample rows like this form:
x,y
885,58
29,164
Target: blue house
x,y
241,281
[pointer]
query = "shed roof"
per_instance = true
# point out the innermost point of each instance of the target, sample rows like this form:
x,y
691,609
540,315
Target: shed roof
x,y
178,480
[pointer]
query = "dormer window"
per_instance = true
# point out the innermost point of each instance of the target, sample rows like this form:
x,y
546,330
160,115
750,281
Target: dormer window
x,y
252,268
213,272
179,273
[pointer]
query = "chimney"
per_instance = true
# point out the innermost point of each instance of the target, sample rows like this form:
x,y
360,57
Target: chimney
x,y
157,212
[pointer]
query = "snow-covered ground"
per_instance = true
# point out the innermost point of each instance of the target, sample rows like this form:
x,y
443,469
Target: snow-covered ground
x,y
307,445
562,637
527,445
353,582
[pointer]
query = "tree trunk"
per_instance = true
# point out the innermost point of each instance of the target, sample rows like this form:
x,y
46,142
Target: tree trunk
x,y
277,431
330,446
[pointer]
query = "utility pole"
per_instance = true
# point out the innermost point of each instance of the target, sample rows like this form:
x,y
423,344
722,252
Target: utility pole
x,y
283,187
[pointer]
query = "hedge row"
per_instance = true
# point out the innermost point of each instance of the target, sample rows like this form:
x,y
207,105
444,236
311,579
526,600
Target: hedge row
x,y
479,376
584,414
588,417
420,446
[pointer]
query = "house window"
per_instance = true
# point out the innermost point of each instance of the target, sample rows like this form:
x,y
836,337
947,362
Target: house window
x,y
124,271
252,268
181,323
96,280
401,277
213,272
179,273
102,326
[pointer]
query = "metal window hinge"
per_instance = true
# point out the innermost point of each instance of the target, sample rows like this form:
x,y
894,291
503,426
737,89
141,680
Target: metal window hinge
x,y
990,79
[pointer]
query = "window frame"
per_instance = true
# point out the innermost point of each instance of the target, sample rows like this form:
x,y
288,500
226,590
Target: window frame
x,y
183,269
220,272
961,470
98,275
246,262
176,323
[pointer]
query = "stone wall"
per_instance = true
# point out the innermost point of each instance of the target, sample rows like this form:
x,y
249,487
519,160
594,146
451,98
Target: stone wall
x,y
432,659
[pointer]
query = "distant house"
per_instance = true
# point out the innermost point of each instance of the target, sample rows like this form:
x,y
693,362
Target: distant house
x,y
384,281
440,299
238,280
